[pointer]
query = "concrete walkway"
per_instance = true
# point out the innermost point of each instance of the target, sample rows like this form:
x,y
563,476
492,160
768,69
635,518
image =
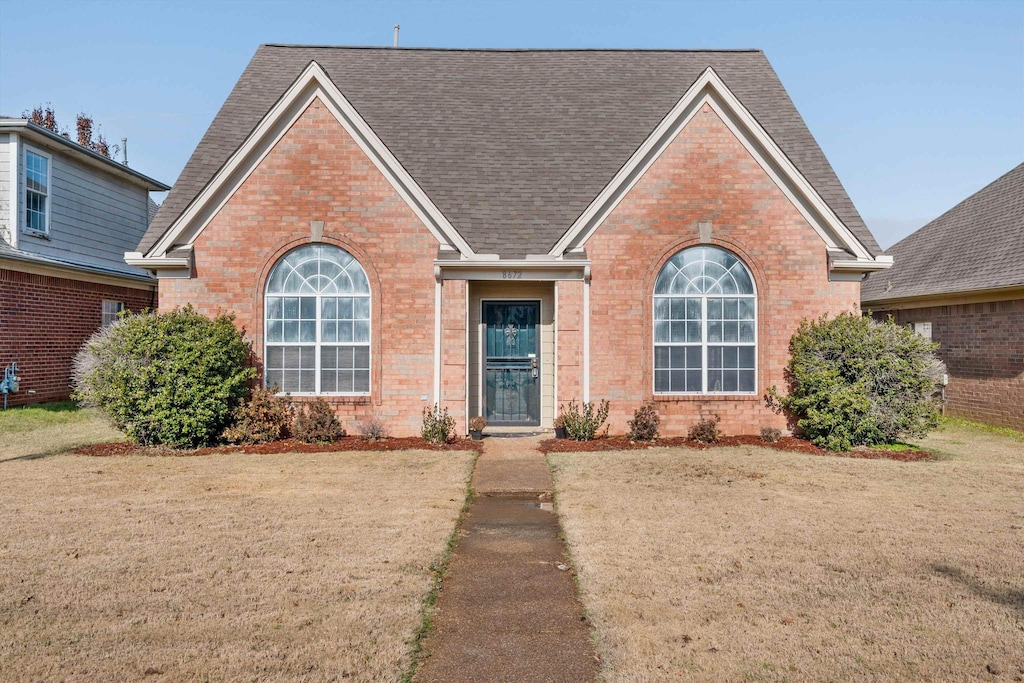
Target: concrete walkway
x,y
506,611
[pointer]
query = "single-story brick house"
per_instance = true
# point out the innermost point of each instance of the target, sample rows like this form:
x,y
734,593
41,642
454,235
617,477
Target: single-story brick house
x,y
960,281
503,231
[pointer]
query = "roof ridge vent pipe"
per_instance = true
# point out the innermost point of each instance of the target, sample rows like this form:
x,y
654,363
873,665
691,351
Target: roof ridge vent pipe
x,y
396,35
124,151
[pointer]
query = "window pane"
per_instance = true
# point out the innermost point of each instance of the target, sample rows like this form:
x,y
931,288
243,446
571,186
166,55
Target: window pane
x,y
714,356
308,308
273,379
746,332
714,380
275,357
693,309
693,332
746,309
730,309
361,308
730,331
329,308
290,381
291,331
678,380
678,332
308,380
328,380
661,332
714,309
729,380
729,357
275,331
661,309
361,381
693,380
678,357
661,356
746,380
274,308
345,381
661,380
328,357
308,354
292,357
345,309
693,357
329,332
714,332
361,331
746,357
307,331
291,308
345,357
361,358
678,309
344,332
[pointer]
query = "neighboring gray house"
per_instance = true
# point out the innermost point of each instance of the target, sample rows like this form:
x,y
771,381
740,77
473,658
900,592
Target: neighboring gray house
x,y
67,215
959,281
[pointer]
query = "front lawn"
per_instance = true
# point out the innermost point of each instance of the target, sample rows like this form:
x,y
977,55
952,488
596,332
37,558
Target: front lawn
x,y
234,566
752,564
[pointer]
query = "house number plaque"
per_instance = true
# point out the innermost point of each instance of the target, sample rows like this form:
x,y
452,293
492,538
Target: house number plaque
x,y
511,275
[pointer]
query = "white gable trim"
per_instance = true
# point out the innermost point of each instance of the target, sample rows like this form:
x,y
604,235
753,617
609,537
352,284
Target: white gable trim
x,y
709,89
312,84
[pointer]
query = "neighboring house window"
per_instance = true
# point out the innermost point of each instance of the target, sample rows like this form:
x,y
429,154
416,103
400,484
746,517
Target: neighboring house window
x,y
110,311
923,329
37,191
705,324
317,331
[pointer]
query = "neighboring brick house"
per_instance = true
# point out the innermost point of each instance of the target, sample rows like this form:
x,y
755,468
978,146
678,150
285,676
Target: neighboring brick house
x,y
960,281
66,216
503,231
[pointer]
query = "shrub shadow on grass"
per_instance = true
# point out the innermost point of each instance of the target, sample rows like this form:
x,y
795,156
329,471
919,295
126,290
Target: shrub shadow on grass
x,y
1009,597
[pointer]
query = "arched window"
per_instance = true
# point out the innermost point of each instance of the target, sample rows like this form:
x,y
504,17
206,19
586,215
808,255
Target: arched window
x,y
317,332
705,324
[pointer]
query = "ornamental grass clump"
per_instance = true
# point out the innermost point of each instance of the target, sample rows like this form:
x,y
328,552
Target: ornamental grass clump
x,y
583,420
317,423
171,378
853,381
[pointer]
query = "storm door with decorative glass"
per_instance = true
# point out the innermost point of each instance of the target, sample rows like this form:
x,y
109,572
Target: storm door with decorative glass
x,y
512,362
317,331
705,324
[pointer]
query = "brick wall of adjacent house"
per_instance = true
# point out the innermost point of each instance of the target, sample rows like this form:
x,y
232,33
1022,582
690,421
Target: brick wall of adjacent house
x,y
982,345
44,320
316,172
705,175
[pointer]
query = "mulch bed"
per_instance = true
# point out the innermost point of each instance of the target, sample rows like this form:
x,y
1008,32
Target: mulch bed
x,y
348,443
786,443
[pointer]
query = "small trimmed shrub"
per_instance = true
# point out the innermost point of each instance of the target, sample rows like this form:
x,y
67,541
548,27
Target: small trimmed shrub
x,y
645,423
705,431
373,429
559,422
770,434
263,417
478,423
316,422
171,378
854,381
438,425
582,421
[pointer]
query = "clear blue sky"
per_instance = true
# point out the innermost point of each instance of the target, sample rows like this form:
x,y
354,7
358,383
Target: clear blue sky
x,y
916,104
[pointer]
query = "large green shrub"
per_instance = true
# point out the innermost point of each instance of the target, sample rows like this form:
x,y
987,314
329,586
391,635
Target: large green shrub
x,y
854,381
166,378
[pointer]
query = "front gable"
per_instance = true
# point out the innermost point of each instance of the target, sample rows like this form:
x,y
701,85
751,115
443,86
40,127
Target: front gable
x,y
710,94
312,86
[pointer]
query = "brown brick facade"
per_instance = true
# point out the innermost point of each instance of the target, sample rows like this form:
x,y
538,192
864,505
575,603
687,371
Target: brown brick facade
x,y
317,173
982,345
705,175
44,320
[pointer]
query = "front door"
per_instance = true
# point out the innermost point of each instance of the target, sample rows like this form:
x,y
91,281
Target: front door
x,y
512,362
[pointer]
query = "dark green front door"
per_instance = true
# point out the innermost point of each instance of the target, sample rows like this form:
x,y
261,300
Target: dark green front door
x,y
512,362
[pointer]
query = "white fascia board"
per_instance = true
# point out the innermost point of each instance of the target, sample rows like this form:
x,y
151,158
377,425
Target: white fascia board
x,y
711,90
313,83
136,258
515,264
862,265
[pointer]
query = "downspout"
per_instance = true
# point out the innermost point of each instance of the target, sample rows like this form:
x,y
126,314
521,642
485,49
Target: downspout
x,y
586,334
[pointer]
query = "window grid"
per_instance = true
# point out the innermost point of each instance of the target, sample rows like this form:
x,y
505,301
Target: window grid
x,y
37,191
303,319
727,339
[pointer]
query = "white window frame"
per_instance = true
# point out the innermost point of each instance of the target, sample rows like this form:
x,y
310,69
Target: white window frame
x,y
704,333
317,345
107,320
23,209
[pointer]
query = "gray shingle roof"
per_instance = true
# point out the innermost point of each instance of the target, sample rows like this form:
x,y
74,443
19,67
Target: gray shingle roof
x,y
978,244
511,145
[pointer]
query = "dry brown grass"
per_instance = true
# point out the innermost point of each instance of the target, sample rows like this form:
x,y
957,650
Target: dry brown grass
x,y
224,567
747,564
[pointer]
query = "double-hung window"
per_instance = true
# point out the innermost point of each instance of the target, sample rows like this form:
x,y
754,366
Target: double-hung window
x,y
705,324
111,309
317,323
37,191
